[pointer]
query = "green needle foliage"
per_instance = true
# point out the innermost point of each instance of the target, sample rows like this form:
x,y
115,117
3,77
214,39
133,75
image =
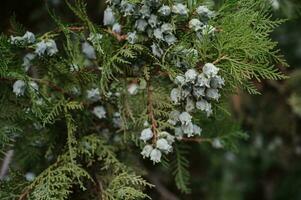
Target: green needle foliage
x,y
180,166
80,102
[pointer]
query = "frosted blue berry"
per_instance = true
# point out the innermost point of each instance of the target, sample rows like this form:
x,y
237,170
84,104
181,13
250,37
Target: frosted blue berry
x,y
46,47
127,8
170,39
180,80
175,95
132,37
186,92
167,28
88,50
116,28
185,118
27,61
204,11
117,121
179,132
141,25
34,86
51,47
146,134
216,143
41,48
212,93
165,10
197,130
19,88
133,88
93,94
205,106
145,11
188,129
180,9
198,91
174,117
29,37
156,50
158,34
217,82
170,138
153,20
190,105
191,75
275,4
155,156
29,176
16,40
163,145
147,151
203,81
100,112
210,70
195,24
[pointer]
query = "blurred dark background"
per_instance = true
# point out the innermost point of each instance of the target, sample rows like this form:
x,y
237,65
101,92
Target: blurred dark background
x,y
268,164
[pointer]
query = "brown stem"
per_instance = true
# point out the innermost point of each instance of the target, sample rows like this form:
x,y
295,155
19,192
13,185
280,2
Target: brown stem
x,y
118,36
150,110
219,59
50,84
23,196
196,139
5,164
90,70
75,28
98,187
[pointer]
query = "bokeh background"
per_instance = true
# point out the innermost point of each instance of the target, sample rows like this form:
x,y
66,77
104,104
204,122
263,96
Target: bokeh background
x,y
268,164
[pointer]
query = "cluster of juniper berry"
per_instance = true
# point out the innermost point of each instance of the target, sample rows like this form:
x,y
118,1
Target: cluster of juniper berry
x,y
151,22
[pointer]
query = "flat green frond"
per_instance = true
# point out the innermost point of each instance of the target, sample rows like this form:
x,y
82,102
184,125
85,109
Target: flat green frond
x,y
179,166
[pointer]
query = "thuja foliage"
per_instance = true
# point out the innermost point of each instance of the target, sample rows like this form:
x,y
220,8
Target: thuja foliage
x,y
82,105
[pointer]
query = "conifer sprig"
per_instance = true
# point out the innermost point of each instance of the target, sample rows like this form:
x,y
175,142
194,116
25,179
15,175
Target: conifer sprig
x,y
84,99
